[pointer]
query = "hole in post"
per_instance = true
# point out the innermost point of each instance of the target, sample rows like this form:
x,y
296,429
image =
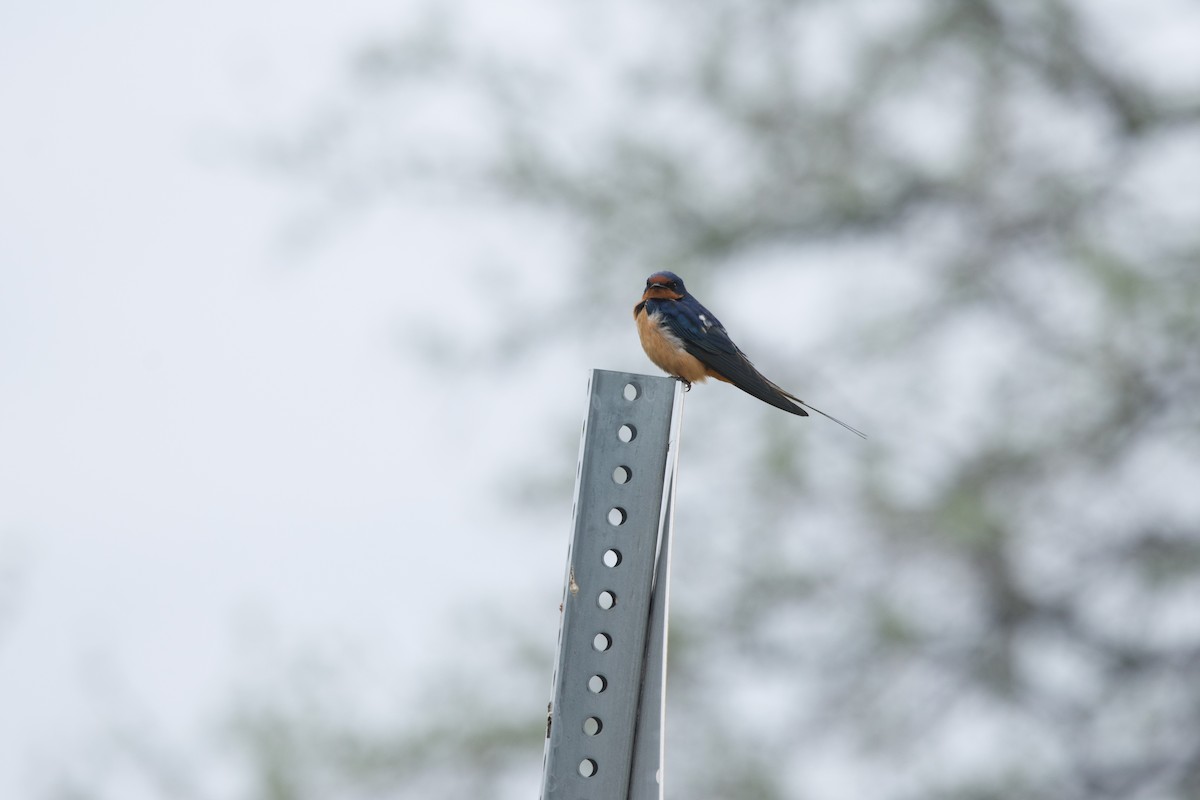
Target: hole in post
x,y
616,516
622,474
606,600
602,642
612,558
592,726
587,767
597,684
631,391
626,433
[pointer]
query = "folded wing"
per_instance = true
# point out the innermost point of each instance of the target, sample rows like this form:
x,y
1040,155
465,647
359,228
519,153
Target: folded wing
x,y
705,338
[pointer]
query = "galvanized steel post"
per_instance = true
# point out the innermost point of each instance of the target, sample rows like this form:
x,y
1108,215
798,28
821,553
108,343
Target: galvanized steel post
x,y
604,731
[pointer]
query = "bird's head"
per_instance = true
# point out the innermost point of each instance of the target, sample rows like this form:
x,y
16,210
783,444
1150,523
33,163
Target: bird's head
x,y
664,286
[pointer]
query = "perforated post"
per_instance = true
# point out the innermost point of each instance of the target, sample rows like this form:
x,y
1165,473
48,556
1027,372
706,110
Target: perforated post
x,y
604,732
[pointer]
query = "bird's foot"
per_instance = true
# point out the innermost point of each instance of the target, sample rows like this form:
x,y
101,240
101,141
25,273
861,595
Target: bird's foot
x,y
687,385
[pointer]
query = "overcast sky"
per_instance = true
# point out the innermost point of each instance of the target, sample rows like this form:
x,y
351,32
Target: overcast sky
x,y
210,440
214,448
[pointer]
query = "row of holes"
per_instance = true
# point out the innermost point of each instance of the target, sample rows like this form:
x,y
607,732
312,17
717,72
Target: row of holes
x,y
617,515
602,642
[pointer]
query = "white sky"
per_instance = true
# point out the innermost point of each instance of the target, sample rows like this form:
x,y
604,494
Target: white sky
x,y
201,431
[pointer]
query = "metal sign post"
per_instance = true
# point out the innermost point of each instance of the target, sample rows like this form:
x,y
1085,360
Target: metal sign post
x,y
604,731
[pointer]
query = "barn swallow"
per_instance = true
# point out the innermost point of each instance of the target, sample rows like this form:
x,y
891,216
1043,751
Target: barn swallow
x,y
686,340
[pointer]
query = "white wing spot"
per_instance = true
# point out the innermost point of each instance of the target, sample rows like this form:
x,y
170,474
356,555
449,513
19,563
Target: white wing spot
x,y
704,319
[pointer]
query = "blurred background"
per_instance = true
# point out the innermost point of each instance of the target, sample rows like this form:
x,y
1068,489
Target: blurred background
x,y
297,311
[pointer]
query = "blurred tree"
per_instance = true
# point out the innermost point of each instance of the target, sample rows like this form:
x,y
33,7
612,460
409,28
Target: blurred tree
x,y
981,219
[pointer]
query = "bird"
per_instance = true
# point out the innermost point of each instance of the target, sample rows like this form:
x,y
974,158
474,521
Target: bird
x,y
686,340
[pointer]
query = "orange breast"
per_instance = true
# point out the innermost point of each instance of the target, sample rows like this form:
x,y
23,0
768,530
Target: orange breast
x,y
667,352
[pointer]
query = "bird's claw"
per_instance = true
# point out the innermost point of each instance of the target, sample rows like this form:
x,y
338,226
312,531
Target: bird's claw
x,y
687,385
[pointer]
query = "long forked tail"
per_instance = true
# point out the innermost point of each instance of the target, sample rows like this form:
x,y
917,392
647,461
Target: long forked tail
x,y
742,374
848,427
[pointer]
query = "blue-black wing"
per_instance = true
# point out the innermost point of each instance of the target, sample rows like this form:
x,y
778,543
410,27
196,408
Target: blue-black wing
x,y
705,338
